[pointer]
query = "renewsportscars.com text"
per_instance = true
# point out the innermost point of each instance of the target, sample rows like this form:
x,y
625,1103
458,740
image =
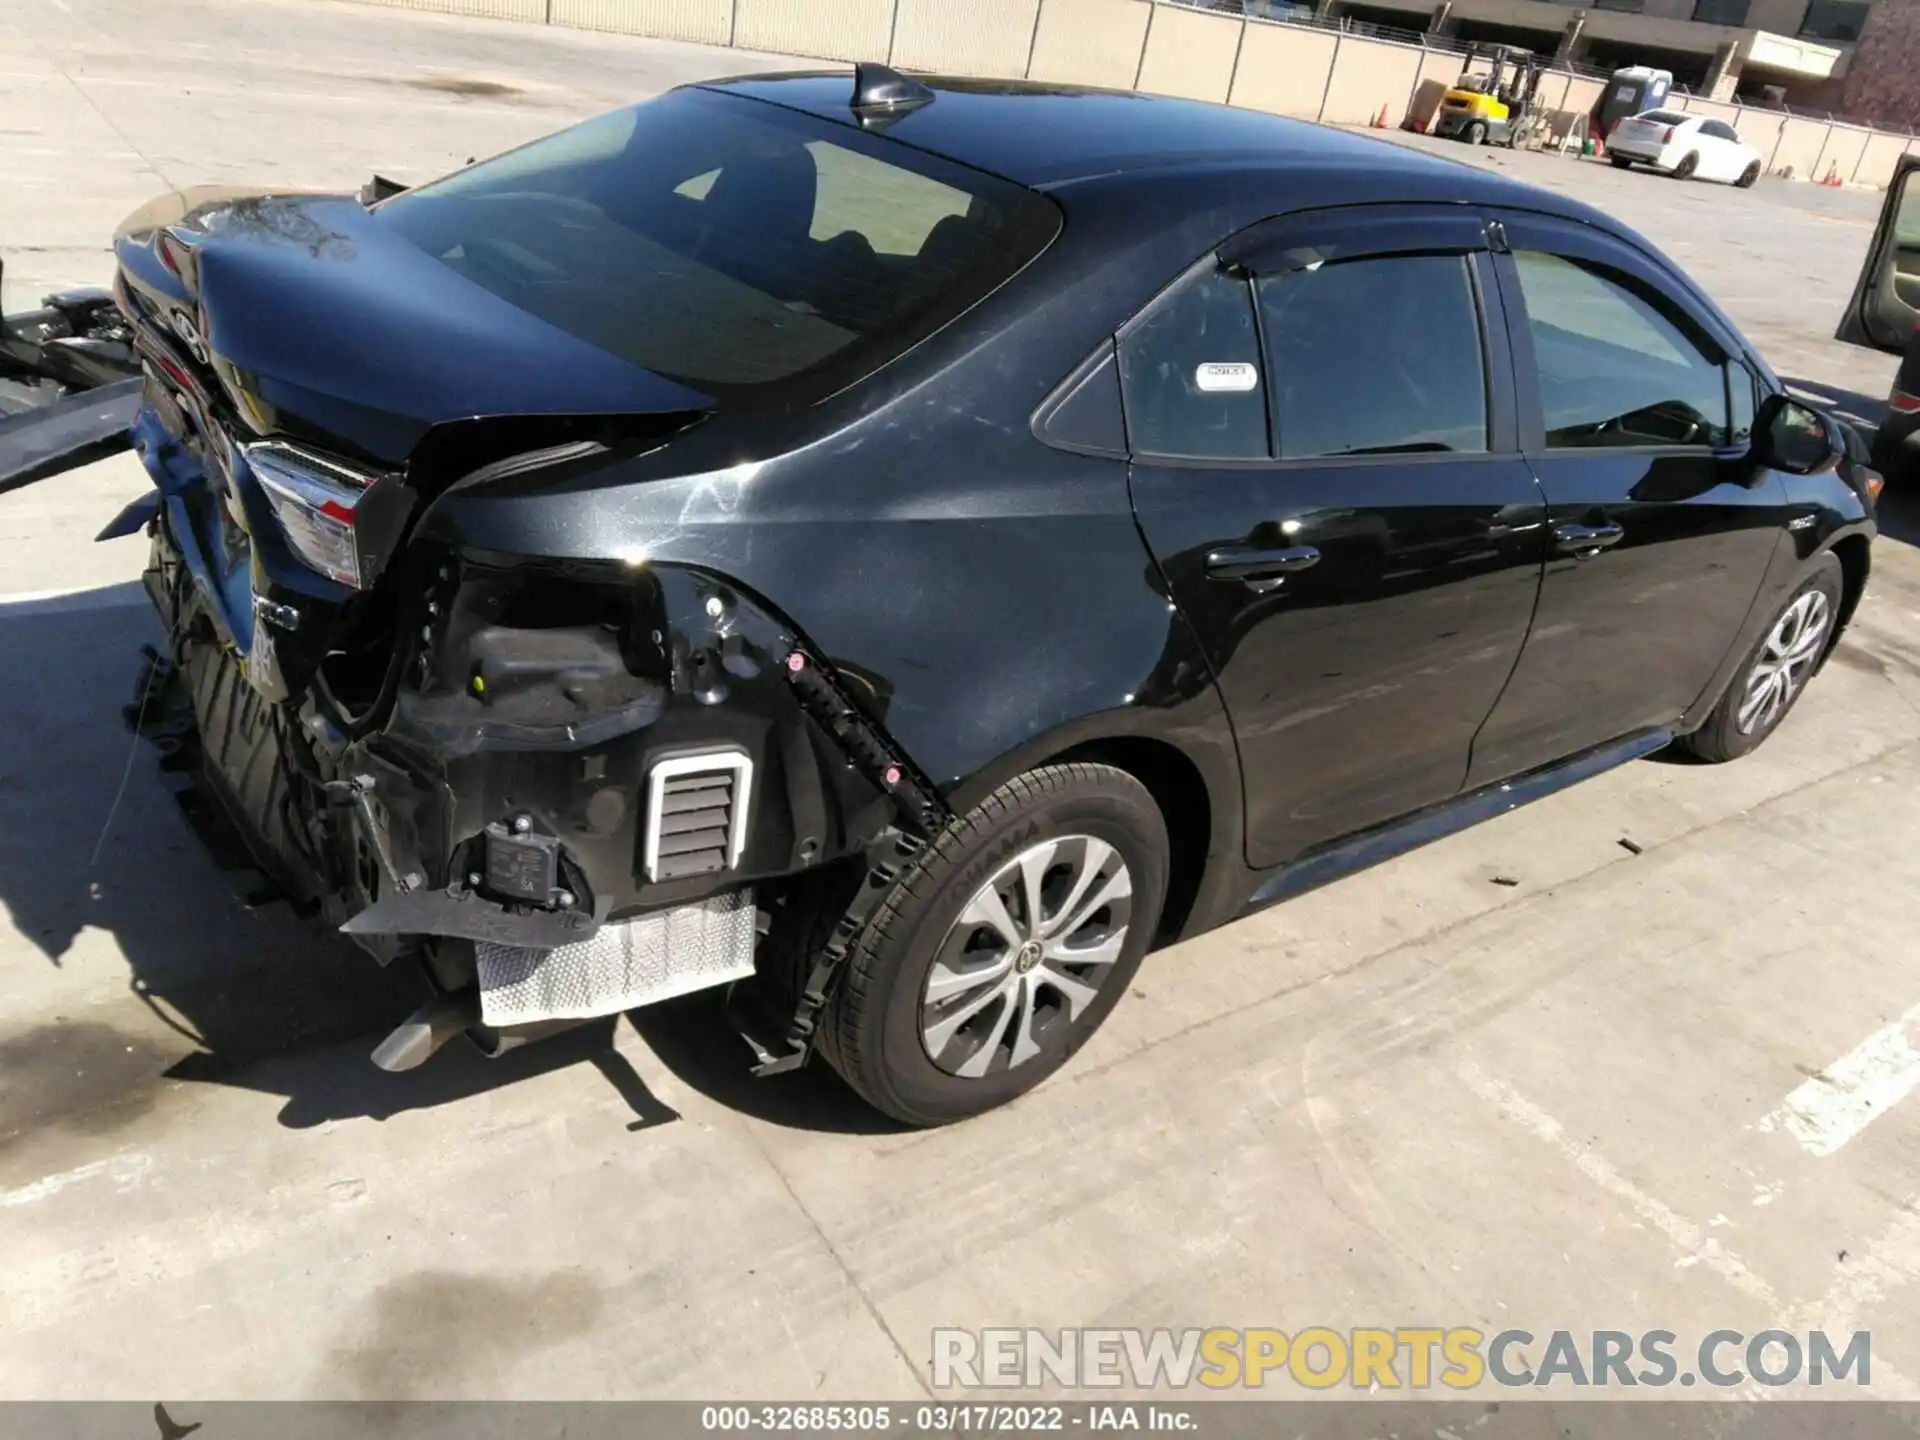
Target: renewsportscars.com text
x,y
1398,1358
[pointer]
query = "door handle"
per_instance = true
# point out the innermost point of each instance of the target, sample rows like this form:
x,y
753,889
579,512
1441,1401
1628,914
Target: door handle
x,y
1583,542
1252,563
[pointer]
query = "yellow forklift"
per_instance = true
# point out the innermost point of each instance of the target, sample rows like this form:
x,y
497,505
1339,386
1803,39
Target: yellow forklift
x,y
1493,100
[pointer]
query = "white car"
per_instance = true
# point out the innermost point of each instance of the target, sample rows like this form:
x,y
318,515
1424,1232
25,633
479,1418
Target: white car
x,y
1691,147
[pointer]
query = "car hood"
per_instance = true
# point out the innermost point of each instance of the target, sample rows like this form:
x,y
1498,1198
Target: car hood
x,y
320,320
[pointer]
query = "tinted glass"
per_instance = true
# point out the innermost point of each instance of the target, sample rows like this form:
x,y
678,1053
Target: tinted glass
x,y
1190,371
1613,369
1719,129
1834,19
1375,357
724,242
1722,12
1662,117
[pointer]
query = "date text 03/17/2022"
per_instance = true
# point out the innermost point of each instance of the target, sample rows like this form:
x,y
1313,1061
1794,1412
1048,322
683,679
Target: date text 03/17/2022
x,y
946,1418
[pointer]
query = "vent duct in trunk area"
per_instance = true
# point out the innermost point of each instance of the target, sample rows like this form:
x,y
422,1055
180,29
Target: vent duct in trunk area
x,y
697,813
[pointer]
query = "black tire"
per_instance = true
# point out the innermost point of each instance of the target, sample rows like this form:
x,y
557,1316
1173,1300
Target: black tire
x,y
1688,164
1475,134
1620,162
874,1029
1748,176
1721,738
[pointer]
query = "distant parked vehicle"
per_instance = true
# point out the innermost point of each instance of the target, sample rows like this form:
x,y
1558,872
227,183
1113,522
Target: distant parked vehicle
x,y
1688,147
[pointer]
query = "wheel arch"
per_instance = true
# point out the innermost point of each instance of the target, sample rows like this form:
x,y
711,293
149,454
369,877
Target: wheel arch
x,y
1193,777
1855,554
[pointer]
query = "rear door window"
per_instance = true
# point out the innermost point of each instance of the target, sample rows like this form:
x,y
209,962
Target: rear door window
x,y
1190,373
729,244
1375,357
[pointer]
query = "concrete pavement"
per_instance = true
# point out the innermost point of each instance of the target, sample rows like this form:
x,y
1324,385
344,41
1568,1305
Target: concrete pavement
x,y
1414,1097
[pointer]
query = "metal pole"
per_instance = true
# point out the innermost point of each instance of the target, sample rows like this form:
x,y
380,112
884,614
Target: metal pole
x,y
893,25
1233,75
1825,140
1332,65
1146,39
1033,40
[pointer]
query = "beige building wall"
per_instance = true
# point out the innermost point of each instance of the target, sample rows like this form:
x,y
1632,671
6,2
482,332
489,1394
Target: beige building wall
x,y
964,37
1581,93
1552,93
1286,70
1878,158
831,29
709,22
1283,69
1190,54
1719,109
1801,142
1090,42
1844,146
1370,76
1760,129
535,10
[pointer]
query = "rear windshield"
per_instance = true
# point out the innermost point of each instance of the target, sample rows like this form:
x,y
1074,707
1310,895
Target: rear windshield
x,y
728,243
1662,117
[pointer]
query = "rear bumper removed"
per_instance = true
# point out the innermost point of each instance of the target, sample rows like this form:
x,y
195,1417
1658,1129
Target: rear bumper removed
x,y
585,793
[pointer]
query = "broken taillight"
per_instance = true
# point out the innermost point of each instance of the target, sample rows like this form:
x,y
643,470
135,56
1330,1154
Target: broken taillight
x,y
1901,403
316,501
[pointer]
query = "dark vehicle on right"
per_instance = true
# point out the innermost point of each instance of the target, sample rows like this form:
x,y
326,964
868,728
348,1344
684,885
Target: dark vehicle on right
x,y
1884,314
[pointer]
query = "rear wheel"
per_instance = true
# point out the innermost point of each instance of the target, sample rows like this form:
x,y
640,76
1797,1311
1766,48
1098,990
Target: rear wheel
x,y
1776,671
1688,164
1004,949
1476,133
1620,162
1748,176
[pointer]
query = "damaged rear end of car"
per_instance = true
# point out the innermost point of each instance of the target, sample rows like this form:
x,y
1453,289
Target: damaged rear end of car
x,y
563,779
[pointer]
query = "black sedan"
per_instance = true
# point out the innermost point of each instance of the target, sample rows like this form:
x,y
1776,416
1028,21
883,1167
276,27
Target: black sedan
x,y
901,549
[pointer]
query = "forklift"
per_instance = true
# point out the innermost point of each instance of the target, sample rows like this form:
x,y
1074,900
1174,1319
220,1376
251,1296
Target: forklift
x,y
1493,100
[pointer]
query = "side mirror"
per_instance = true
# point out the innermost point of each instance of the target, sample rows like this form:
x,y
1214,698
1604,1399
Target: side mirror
x,y
1791,435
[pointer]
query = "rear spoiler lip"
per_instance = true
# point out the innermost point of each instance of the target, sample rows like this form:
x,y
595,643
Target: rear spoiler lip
x,y
74,430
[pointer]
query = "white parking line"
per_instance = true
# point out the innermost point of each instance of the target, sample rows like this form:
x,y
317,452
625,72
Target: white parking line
x,y
126,1171
1695,1246
1831,1107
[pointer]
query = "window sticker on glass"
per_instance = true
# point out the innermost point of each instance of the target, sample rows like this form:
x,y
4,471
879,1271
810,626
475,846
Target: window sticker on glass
x,y
1228,377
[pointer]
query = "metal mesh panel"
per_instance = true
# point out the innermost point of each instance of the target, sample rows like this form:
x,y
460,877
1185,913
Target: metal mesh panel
x,y
626,964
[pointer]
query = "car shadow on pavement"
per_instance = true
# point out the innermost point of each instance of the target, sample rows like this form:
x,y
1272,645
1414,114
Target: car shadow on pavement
x,y
227,988
693,1038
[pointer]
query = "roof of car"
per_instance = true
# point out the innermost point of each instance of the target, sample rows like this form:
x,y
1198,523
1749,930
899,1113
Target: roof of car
x,y
1046,135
